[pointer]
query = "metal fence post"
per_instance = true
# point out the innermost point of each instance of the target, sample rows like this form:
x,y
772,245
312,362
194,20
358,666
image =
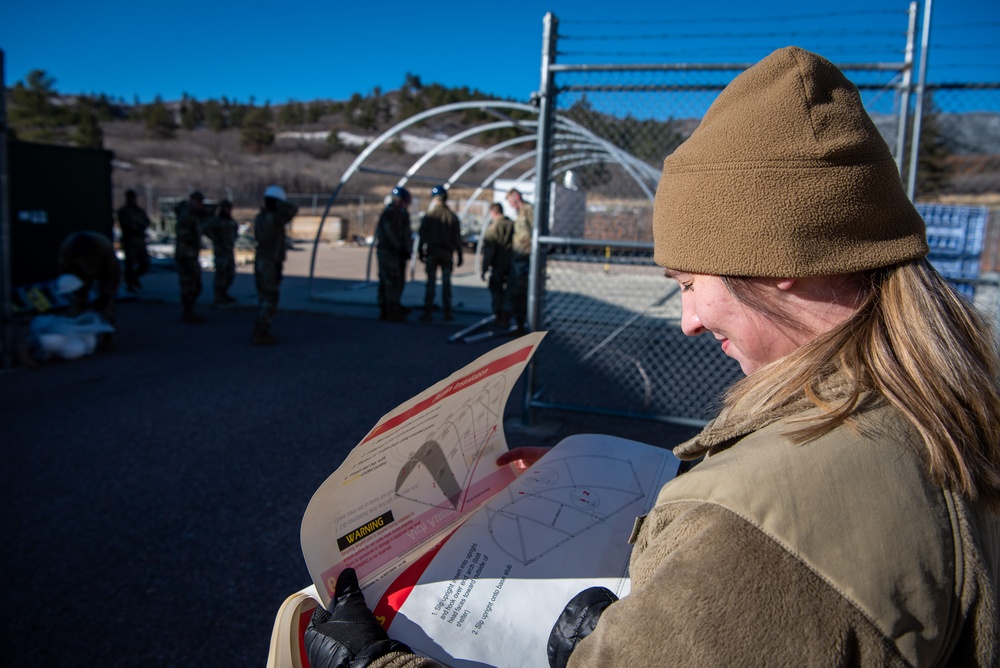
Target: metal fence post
x,y
546,113
904,103
918,111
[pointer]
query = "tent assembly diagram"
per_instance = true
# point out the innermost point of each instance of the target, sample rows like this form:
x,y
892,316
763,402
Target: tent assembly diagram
x,y
558,502
442,468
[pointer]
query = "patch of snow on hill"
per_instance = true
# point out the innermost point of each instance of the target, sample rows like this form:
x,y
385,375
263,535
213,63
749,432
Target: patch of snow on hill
x,y
412,143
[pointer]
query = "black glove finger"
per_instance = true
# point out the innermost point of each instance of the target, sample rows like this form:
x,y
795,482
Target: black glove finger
x,y
347,584
577,621
348,635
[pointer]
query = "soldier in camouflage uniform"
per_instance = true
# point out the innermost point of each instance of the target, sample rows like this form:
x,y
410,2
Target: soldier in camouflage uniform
x,y
269,261
497,254
393,240
133,222
440,240
190,215
524,223
222,230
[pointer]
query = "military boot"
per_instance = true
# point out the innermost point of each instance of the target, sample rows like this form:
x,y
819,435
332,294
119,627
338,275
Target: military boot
x,y
262,337
190,317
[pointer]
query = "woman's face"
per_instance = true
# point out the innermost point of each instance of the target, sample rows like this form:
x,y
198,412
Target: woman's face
x,y
746,335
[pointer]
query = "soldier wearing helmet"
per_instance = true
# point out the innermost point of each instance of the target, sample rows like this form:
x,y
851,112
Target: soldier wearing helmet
x,y
440,240
269,260
393,239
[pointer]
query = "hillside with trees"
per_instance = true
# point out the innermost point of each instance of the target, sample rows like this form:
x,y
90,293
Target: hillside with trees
x,y
234,149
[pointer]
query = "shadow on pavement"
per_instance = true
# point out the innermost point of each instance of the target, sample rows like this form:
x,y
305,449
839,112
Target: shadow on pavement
x,y
152,495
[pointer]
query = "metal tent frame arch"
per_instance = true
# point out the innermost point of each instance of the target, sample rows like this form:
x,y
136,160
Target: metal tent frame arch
x,y
585,148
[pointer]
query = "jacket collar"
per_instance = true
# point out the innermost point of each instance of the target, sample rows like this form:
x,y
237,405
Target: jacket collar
x,y
736,421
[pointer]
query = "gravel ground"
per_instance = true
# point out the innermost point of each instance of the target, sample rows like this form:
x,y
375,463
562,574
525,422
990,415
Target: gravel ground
x,y
152,495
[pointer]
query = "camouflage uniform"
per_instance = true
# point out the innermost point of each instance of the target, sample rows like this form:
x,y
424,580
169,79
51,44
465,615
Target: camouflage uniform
x,y
269,260
186,250
134,222
440,239
223,232
520,261
498,254
393,239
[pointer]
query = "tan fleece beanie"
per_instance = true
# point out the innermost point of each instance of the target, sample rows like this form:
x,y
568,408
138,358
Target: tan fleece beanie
x,y
785,176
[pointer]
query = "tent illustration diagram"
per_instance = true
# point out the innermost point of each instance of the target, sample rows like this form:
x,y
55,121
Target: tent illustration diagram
x,y
550,506
442,467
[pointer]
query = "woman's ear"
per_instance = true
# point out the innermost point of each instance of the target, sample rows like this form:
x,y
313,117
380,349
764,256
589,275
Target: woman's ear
x,y
785,283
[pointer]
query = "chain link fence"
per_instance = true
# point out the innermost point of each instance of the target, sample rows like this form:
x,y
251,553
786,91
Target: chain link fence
x,y
614,344
960,150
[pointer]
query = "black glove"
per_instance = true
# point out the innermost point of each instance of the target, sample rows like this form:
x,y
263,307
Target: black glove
x,y
576,622
348,636
483,276
459,260
422,257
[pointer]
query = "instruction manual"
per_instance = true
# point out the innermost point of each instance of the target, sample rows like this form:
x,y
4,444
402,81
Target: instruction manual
x,y
461,559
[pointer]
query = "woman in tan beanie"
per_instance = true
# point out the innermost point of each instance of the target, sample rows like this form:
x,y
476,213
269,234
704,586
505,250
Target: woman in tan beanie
x,y
844,511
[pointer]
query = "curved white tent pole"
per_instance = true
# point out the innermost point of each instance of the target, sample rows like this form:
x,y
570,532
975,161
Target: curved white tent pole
x,y
482,155
429,155
582,162
388,134
626,160
454,139
475,196
584,141
494,176
566,130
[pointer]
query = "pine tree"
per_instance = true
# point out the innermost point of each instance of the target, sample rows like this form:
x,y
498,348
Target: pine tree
x,y
333,141
292,114
315,111
191,112
238,114
215,118
160,122
256,134
88,132
33,116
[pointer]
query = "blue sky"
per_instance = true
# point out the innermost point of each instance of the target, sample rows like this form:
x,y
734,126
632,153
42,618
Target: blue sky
x,y
328,50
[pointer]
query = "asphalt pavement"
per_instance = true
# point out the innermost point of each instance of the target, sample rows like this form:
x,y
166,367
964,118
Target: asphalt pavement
x,y
152,494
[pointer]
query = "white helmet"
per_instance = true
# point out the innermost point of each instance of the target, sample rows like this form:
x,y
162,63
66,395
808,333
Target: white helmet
x,y
67,283
276,192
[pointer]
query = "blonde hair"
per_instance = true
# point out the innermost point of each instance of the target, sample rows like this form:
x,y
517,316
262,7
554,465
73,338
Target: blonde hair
x,y
913,341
